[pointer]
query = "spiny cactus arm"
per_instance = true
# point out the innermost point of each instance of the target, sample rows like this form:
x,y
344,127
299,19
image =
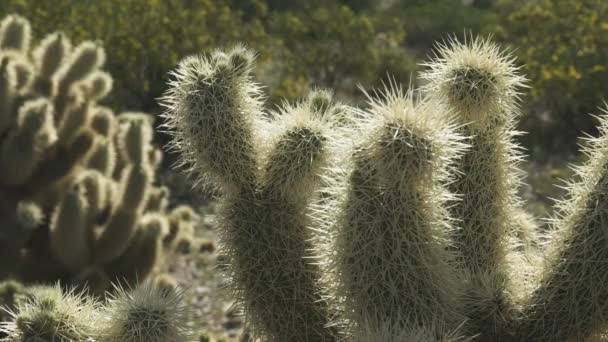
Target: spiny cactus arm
x,y
50,54
68,230
295,151
320,101
11,292
8,92
18,225
389,259
28,216
23,149
477,80
86,58
135,138
94,185
50,314
48,58
96,86
77,115
479,85
145,313
212,108
139,260
116,234
103,156
15,34
569,302
277,281
62,163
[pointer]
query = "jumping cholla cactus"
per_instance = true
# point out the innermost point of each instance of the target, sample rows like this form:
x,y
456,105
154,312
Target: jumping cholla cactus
x,y
77,194
399,222
389,221
267,168
145,313
478,86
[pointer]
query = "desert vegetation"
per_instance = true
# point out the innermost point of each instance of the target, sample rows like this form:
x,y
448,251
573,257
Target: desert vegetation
x,y
303,178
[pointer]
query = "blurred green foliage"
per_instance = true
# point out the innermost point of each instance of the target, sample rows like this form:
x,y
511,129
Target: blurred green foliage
x,y
300,43
563,45
144,38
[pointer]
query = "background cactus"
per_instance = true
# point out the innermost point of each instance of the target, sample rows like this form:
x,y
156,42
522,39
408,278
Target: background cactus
x,y
76,181
143,313
50,314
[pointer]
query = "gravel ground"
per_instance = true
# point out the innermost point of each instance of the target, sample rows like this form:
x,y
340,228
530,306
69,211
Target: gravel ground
x,y
197,273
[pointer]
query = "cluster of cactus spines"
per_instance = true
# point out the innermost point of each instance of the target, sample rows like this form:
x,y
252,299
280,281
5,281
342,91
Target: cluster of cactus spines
x,y
145,313
230,101
23,147
569,303
268,169
76,180
10,294
51,314
478,83
389,259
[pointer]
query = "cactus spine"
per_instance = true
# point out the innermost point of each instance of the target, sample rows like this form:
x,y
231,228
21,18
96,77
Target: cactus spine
x,y
216,112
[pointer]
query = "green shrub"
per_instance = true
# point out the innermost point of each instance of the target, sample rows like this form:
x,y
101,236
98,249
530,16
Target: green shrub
x,y
562,46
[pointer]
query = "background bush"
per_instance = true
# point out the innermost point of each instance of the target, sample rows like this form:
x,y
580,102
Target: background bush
x,y
563,45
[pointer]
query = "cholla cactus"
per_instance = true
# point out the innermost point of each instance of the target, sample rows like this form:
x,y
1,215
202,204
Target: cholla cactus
x,y
268,170
478,83
146,313
74,177
569,304
389,260
50,314
15,34
384,333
